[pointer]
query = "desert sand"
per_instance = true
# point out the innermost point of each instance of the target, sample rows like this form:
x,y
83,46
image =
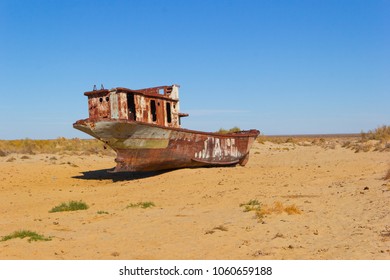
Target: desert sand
x,y
340,196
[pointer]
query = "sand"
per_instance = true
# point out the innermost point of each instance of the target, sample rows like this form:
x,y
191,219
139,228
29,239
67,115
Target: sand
x,y
341,195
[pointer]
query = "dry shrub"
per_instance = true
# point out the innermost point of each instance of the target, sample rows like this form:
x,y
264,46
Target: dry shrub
x,y
364,147
346,144
385,234
292,210
33,236
60,145
377,139
231,130
251,205
70,206
305,143
143,205
276,139
11,159
261,139
382,146
330,145
381,133
359,146
220,228
278,208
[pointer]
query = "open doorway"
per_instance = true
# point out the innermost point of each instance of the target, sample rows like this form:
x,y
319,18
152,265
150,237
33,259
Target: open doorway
x,y
131,106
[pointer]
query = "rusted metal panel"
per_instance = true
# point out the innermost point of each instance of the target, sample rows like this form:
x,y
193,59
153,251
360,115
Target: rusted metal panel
x,y
114,107
122,106
150,138
99,106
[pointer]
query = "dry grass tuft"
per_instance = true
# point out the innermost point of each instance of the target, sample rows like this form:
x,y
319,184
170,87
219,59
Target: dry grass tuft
x,y
292,210
70,206
278,208
262,210
326,141
276,139
231,130
11,159
220,228
261,139
385,234
381,133
374,140
251,205
60,145
143,205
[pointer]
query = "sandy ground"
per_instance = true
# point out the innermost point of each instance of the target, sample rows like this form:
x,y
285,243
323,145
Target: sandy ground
x,y
342,196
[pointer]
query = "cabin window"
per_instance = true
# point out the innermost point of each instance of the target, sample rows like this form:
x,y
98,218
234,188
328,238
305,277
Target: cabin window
x,y
131,107
153,110
168,111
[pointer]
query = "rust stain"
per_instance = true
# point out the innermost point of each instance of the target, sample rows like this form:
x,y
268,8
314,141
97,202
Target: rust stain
x,y
143,127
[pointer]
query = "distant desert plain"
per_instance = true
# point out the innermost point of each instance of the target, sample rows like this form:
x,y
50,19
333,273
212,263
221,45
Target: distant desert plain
x,y
313,197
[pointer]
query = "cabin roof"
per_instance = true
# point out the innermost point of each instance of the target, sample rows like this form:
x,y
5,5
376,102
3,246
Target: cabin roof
x,y
149,92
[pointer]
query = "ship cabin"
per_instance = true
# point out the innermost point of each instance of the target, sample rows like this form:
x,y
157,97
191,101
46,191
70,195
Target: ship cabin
x,y
156,105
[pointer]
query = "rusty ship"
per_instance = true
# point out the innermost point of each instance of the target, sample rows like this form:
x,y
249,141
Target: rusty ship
x,y
143,127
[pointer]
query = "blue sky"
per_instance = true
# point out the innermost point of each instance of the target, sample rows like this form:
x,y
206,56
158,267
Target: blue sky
x,y
283,67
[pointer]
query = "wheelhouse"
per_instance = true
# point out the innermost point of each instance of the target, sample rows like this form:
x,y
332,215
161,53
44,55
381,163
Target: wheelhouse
x,y
156,105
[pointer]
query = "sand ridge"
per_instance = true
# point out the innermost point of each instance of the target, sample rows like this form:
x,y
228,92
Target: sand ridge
x,y
341,194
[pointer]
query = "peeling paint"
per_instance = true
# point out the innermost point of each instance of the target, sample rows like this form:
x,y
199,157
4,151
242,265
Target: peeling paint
x,y
216,149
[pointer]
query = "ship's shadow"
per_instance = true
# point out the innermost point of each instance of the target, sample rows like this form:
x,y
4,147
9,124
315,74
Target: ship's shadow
x,y
107,174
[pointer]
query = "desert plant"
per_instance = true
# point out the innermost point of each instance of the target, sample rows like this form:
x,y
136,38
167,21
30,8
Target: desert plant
x,y
259,215
261,138
59,145
251,205
231,130
292,210
290,140
33,236
278,208
70,206
102,212
380,133
146,204
221,228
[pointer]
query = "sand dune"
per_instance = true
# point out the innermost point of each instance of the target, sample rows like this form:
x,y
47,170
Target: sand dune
x,y
341,195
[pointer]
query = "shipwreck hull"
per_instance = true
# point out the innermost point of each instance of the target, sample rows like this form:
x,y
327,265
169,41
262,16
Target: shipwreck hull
x,y
149,147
